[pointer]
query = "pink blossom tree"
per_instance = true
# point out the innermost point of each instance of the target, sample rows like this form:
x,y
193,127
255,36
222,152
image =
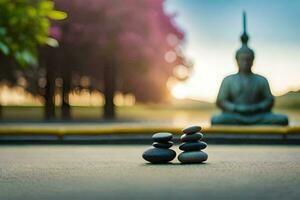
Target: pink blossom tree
x,y
121,44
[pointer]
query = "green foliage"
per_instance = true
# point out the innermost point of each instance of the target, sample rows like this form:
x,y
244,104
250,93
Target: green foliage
x,y
24,24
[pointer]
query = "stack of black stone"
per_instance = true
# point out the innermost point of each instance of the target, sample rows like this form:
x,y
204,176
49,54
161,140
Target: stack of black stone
x,y
160,152
192,146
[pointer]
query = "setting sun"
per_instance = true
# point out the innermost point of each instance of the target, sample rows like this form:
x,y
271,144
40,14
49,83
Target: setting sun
x,y
179,91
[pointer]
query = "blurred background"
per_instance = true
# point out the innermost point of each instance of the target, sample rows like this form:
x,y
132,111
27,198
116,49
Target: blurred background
x,y
133,60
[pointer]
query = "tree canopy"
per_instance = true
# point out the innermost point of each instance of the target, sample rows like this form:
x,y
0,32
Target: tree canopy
x,y
24,24
135,36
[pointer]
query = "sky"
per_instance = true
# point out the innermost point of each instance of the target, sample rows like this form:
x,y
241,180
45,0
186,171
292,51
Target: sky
x,y
213,29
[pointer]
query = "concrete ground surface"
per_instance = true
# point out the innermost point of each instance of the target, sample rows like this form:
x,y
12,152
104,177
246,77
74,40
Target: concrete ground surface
x,y
74,172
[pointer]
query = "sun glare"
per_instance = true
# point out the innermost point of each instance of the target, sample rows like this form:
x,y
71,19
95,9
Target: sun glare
x,y
179,91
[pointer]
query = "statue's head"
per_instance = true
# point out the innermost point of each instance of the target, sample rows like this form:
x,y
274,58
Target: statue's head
x,y
244,56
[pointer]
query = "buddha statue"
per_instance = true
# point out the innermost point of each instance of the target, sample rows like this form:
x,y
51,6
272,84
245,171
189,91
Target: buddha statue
x,y
245,98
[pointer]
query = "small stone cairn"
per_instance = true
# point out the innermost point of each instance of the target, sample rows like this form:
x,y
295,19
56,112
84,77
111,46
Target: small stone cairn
x,y
160,152
192,146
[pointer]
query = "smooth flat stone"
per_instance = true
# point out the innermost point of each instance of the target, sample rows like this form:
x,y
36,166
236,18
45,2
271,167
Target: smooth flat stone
x,y
193,146
162,137
191,129
191,138
192,157
159,155
162,145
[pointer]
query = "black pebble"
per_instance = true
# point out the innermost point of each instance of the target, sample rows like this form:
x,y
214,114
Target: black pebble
x,y
193,146
191,138
192,157
162,137
163,145
159,155
191,129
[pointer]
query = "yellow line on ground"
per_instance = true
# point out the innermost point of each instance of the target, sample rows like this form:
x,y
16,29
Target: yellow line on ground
x,y
63,130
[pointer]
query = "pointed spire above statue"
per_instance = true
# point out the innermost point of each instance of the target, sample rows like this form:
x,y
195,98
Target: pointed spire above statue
x,y
244,40
244,36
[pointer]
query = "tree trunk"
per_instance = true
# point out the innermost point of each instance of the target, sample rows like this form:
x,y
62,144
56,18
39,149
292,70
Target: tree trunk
x,y
1,111
109,91
66,87
49,94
